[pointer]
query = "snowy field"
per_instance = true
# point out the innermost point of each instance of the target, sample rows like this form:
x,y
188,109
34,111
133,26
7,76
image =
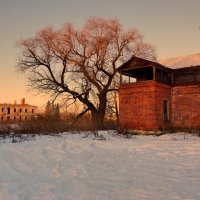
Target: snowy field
x,y
75,168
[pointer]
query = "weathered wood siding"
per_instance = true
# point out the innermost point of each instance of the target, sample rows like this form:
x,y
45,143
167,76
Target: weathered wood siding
x,y
187,76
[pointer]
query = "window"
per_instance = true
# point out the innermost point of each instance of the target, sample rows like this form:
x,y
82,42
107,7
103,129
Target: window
x,y
149,74
2,118
165,110
8,110
14,109
20,110
2,110
32,110
26,110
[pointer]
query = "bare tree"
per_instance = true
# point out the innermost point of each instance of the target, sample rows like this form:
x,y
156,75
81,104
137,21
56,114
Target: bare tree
x,y
80,63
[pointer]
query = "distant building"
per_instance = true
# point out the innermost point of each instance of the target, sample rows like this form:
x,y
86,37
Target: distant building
x,y
161,98
17,112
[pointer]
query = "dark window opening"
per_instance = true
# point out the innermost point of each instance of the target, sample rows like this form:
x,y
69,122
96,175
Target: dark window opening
x,y
32,110
8,110
26,110
149,74
163,76
158,75
141,74
2,109
20,118
20,110
165,110
144,74
8,118
14,109
2,118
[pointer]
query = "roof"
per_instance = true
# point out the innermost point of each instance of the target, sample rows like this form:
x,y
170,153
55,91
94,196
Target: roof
x,y
136,62
17,105
196,67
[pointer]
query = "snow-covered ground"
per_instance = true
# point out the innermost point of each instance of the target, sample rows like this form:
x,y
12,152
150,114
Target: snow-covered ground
x,y
76,168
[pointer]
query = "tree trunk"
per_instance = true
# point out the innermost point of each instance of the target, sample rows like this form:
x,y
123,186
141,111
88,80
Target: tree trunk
x,y
116,107
97,120
98,115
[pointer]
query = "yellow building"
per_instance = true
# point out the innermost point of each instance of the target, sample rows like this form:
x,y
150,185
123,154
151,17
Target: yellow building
x,y
17,112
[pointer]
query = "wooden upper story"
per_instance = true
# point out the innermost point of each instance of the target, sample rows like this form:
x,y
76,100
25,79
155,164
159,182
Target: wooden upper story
x,y
144,70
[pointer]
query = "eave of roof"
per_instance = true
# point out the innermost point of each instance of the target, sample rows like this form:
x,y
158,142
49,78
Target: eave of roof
x,y
123,66
196,67
126,64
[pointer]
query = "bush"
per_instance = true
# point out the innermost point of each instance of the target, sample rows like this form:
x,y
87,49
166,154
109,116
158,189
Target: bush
x,y
46,125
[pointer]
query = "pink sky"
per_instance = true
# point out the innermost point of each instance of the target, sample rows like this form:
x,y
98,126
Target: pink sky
x,y
171,26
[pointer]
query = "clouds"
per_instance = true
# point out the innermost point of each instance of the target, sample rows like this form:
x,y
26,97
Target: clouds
x,y
182,61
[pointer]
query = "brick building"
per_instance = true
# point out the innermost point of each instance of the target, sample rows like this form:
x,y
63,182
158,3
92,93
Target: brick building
x,y
16,112
160,98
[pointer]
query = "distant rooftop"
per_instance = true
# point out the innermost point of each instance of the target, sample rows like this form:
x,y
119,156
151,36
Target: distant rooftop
x,y
12,104
17,104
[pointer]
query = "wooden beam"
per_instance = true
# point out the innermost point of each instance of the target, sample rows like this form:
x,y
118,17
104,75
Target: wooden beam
x,y
120,77
154,73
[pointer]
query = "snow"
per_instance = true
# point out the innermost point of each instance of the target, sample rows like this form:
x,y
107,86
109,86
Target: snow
x,y
73,167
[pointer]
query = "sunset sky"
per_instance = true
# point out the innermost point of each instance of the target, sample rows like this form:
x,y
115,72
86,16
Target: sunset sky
x,y
172,26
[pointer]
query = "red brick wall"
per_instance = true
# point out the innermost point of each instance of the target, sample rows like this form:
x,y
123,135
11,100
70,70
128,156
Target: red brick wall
x,y
140,105
186,106
163,92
